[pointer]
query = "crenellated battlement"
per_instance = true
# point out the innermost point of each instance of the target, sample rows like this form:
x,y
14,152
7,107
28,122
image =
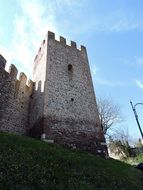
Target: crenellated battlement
x,y
12,73
51,36
62,40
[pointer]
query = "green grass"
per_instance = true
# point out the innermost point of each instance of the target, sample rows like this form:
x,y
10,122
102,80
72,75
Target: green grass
x,y
28,164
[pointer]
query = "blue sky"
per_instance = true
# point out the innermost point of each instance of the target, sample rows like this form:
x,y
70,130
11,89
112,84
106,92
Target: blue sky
x,y
111,30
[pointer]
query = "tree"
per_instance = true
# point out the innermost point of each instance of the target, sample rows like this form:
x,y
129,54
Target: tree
x,y
119,143
109,113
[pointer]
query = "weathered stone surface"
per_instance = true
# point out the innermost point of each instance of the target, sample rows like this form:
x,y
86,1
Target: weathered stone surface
x,y
61,105
14,101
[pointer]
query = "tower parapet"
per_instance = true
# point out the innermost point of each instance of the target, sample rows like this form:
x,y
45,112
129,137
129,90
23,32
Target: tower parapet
x,y
62,41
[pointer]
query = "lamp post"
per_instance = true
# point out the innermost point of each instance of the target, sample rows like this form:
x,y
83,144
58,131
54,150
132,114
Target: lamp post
x,y
136,116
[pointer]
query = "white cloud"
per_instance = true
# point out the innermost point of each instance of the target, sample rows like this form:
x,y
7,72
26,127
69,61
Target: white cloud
x,y
115,21
125,24
106,82
69,2
39,16
94,69
131,61
139,61
29,30
139,84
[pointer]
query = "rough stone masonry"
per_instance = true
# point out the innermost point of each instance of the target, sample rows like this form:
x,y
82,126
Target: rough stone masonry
x,y
60,104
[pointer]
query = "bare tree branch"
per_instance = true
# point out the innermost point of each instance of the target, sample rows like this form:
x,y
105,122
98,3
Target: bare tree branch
x,y
109,113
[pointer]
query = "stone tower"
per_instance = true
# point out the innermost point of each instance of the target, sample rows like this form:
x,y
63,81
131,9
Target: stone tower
x,y
63,105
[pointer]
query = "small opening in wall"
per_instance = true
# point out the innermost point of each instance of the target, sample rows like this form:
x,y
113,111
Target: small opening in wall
x,y
70,67
72,99
22,92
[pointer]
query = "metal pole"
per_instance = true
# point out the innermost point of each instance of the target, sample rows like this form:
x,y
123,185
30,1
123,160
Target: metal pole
x,y
136,116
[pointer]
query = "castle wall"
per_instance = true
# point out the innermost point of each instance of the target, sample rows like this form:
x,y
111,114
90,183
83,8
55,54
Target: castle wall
x,y
37,98
70,112
60,103
14,99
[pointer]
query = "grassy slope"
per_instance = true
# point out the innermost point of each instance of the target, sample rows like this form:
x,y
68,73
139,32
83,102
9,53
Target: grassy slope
x,y
27,164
